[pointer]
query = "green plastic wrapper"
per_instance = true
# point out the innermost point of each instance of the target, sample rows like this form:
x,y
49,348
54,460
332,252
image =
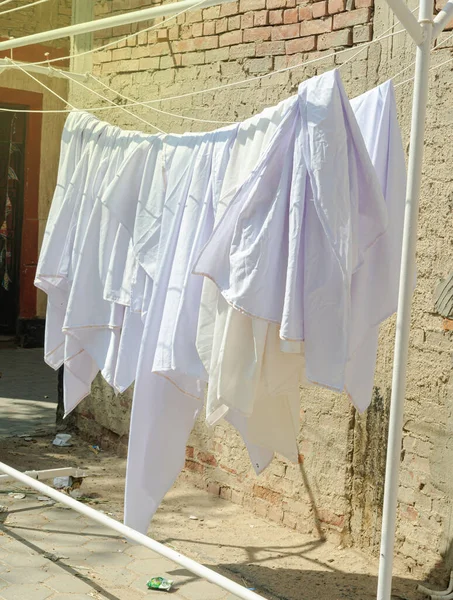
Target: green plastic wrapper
x,y
160,583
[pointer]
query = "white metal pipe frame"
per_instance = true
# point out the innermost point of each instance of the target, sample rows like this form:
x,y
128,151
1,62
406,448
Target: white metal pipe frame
x,y
423,31
403,321
132,535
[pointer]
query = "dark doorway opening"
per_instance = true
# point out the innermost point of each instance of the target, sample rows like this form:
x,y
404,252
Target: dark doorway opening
x,y
12,158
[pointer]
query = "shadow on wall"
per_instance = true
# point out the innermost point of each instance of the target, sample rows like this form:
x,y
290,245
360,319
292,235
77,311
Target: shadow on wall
x,y
311,498
439,575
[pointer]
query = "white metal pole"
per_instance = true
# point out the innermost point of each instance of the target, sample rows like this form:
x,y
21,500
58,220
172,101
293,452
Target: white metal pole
x,y
442,19
131,534
135,16
420,98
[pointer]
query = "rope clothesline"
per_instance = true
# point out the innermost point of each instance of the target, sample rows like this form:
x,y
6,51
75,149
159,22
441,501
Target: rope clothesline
x,y
122,39
129,112
146,103
22,7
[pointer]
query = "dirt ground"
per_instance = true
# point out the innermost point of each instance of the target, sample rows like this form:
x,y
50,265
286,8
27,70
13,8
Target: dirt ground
x,y
276,561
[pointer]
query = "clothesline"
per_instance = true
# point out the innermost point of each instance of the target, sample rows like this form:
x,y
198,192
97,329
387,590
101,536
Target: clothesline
x,y
23,7
146,104
122,39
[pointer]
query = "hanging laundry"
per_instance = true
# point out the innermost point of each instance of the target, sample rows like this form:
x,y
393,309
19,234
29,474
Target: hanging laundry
x,y
80,130
251,259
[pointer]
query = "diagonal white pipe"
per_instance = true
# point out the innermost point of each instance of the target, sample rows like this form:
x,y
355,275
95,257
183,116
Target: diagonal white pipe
x,y
136,16
131,534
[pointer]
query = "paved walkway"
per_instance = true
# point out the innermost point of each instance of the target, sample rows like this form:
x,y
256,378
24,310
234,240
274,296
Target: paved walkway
x,y
48,552
28,392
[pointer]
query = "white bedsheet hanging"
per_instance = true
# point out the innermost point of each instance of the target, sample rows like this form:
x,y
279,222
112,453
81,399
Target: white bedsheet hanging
x,y
298,212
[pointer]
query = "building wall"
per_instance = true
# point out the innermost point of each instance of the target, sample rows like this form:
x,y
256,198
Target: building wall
x,y
336,489
49,15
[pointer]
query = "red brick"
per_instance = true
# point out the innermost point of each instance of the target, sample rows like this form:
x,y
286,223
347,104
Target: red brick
x,y
194,16
257,34
162,48
290,15
209,28
266,494
162,34
206,43
272,4
231,38
305,44
194,467
335,6
226,10
316,27
285,32
362,33
234,23
335,39
197,29
363,3
261,18
181,46
275,17
173,33
207,458
305,13
137,52
185,33
228,469
270,48
221,25
351,18
245,5
189,452
410,513
247,20
213,12
325,516
447,324
121,54
319,9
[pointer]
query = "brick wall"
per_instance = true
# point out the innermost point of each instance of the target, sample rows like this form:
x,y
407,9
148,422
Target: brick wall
x,y
336,489
51,14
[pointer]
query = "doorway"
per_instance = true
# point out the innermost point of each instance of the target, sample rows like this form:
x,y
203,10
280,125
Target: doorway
x,y
12,156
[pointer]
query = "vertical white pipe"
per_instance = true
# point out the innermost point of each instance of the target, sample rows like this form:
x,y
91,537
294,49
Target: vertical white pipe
x,y
420,98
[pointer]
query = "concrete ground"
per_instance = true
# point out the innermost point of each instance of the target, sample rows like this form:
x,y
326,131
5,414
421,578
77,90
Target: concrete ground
x,y
50,552
47,551
28,392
